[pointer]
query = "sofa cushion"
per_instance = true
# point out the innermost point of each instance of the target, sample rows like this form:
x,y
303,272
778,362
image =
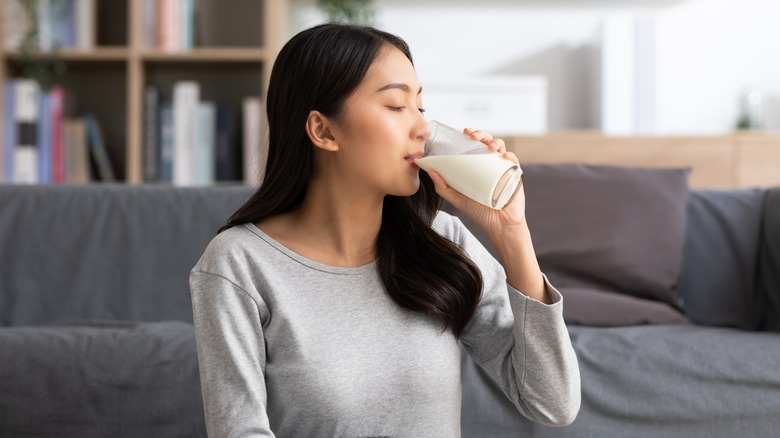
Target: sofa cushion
x,y
718,282
100,379
769,262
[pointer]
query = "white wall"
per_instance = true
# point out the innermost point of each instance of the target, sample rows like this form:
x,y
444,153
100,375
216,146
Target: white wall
x,y
709,51
706,52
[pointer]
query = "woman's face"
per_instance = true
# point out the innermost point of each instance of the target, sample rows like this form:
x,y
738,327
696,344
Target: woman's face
x,y
382,128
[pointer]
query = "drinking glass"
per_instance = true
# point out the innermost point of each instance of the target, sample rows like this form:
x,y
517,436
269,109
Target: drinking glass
x,y
469,167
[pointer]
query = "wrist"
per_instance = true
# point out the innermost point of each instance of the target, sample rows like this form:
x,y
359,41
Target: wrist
x,y
511,239
516,253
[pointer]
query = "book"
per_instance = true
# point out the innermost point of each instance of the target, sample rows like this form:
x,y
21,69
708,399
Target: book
x,y
26,94
205,144
67,26
186,95
76,151
149,24
253,150
168,25
45,25
228,146
9,134
166,142
56,98
186,16
85,24
151,153
97,148
57,23
44,138
171,23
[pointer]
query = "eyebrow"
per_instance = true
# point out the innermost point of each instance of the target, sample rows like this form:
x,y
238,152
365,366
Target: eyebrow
x,y
400,86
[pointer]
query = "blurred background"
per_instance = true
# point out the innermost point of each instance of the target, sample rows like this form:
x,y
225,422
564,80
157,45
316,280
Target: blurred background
x,y
171,91
660,67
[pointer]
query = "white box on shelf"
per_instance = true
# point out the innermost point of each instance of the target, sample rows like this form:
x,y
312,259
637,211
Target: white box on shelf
x,y
501,105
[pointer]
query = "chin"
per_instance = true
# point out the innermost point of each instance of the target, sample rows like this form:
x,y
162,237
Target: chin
x,y
409,190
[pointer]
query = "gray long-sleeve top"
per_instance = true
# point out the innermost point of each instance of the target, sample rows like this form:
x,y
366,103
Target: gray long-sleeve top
x,y
290,347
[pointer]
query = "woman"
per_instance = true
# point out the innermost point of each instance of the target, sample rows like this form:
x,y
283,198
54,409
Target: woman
x,y
333,302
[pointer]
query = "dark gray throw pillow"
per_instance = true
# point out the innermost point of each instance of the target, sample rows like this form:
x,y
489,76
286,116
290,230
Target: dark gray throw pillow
x,y
609,228
721,251
100,380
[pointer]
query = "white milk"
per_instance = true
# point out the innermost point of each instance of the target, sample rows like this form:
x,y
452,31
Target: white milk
x,y
477,176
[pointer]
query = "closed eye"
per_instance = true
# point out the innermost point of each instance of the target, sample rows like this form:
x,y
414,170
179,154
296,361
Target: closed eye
x,y
401,108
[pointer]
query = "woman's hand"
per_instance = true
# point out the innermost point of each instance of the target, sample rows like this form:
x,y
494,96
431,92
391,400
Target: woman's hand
x,y
489,219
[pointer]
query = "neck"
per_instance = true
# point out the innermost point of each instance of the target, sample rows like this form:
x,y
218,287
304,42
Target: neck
x,y
340,226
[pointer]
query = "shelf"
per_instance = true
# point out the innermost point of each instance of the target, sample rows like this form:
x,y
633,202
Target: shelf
x,y
97,54
215,54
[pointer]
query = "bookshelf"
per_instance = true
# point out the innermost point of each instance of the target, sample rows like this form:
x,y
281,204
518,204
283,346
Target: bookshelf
x,y
234,44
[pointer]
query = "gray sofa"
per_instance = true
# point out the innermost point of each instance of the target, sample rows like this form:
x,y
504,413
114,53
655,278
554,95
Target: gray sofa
x,y
96,334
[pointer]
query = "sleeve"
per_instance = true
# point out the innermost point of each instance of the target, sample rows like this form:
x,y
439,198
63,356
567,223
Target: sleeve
x,y
522,343
231,357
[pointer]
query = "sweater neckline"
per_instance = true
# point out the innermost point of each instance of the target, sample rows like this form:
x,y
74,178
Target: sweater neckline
x,y
352,270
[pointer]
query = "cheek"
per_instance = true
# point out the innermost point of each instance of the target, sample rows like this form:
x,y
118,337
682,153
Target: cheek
x,y
374,140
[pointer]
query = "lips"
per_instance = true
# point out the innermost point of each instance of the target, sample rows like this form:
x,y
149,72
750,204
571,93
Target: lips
x,y
415,156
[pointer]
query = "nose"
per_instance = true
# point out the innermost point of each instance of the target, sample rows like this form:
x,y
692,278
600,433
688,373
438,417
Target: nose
x,y
422,130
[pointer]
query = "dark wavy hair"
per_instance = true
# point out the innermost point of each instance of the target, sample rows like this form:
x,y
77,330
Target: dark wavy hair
x,y
317,70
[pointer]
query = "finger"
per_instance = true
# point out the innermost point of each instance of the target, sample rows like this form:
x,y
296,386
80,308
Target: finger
x,y
511,157
497,145
449,194
479,135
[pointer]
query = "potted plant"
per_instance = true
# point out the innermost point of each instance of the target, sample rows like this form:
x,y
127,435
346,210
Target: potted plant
x,y
32,62
348,11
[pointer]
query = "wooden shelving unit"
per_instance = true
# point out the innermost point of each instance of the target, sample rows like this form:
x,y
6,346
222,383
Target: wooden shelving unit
x,y
235,44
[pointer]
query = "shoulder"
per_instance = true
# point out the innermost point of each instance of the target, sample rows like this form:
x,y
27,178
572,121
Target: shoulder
x,y
228,240
235,243
239,256
464,233
449,226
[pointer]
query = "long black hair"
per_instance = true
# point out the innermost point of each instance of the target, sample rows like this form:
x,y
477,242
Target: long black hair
x,y
317,70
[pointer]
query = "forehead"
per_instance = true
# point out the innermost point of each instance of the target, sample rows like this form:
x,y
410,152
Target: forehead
x,y
391,66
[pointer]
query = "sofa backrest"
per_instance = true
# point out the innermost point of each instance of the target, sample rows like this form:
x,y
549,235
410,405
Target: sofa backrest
x,y
124,252
718,284
104,251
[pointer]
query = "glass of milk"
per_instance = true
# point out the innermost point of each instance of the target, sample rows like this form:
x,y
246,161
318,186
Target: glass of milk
x,y
469,167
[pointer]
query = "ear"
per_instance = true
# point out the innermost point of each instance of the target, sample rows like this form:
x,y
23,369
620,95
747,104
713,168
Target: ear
x,y
318,128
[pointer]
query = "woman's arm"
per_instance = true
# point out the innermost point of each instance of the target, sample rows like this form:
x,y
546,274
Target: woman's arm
x,y
522,343
517,333
231,357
